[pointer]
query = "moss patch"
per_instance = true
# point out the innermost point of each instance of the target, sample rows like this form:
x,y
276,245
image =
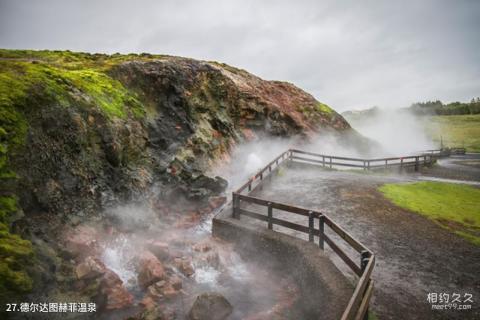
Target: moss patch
x,y
66,86
317,111
16,255
321,107
453,206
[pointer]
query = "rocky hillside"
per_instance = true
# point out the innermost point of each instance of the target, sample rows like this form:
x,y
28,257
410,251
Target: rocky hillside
x,y
81,132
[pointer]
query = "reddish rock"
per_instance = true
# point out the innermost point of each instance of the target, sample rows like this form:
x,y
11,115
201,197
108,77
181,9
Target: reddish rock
x,y
216,202
159,249
169,292
185,266
176,282
114,294
191,219
147,302
202,247
205,210
248,134
81,241
90,268
150,269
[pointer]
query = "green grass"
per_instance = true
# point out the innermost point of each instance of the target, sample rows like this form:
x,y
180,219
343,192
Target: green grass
x,y
456,130
321,107
453,206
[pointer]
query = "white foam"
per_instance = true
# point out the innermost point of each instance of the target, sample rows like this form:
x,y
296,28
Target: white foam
x,y
117,257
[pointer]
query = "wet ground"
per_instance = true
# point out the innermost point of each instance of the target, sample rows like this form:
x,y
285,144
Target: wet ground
x,y
415,256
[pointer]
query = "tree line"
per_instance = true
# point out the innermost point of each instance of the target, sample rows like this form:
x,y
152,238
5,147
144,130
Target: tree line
x,y
439,108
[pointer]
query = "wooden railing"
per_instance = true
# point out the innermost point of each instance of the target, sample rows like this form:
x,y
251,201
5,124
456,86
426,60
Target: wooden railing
x,y
330,161
357,307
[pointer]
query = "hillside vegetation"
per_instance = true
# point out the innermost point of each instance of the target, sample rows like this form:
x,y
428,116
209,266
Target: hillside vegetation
x,y
455,130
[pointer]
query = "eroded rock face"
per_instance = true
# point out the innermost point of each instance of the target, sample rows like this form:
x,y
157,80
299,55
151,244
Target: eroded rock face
x,y
176,118
210,306
83,137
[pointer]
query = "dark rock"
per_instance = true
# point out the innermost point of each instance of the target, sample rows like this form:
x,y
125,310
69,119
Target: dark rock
x,y
210,306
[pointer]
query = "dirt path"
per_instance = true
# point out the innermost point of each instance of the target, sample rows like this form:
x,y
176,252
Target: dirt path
x,y
414,255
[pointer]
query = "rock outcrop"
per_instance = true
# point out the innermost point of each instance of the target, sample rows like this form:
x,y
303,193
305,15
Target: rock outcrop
x,y
210,306
81,132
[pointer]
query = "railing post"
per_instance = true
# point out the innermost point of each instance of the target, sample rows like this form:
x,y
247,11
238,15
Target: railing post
x,y
323,161
270,216
416,163
364,258
330,162
368,163
236,205
321,227
364,165
310,226
250,186
386,164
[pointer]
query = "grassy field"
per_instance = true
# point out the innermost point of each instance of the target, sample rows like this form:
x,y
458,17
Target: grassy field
x,y
455,207
456,131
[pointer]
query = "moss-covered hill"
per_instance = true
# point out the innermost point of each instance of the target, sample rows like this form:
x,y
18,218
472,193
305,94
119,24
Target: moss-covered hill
x,y
79,132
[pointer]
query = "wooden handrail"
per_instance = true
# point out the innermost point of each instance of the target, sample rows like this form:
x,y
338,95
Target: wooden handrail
x,y
357,306
358,303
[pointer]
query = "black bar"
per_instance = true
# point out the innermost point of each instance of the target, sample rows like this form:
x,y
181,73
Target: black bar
x,y
236,203
364,258
310,226
321,241
270,216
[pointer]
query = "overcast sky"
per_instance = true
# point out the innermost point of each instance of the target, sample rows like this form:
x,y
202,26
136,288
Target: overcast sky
x,y
349,54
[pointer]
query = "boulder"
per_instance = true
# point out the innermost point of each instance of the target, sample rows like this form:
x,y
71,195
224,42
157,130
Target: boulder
x,y
217,202
210,306
202,247
159,249
113,295
150,269
90,268
81,241
176,282
163,289
185,266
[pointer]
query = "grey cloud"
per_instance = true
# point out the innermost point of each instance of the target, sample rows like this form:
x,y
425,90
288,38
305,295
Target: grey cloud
x,y
349,54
